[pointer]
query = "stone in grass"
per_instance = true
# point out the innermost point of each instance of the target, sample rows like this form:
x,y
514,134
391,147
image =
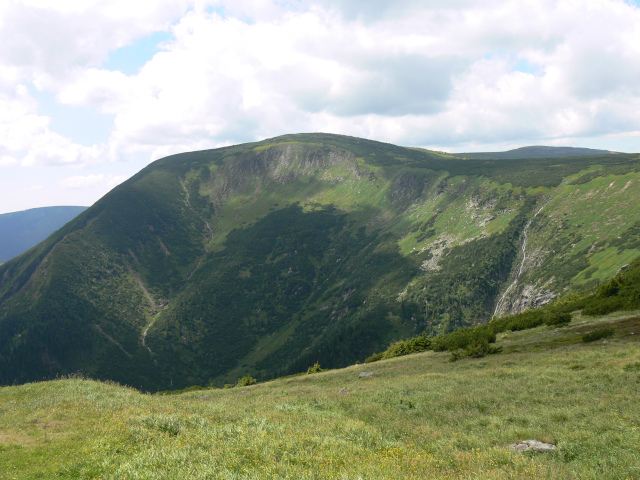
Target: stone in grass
x,y
344,390
533,445
367,374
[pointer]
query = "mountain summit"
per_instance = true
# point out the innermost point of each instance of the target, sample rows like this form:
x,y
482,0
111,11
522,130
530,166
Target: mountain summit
x,y
266,257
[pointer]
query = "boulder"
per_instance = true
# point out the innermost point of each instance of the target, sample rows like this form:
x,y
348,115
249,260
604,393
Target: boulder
x,y
533,445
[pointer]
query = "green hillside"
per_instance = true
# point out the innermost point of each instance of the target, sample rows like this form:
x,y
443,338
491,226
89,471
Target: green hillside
x,y
418,416
264,258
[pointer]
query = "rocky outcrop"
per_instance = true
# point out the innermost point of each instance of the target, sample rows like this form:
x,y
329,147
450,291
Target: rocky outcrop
x,y
529,296
532,445
280,164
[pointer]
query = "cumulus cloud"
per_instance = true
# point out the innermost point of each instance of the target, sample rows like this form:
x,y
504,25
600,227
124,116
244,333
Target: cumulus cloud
x,y
25,136
444,72
50,40
440,73
93,180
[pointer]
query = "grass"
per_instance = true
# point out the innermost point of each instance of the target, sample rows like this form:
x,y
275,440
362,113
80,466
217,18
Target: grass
x,y
420,416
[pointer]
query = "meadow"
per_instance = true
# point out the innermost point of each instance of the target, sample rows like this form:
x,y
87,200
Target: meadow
x,y
419,416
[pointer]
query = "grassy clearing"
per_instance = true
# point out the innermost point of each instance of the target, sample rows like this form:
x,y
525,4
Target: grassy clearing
x,y
420,416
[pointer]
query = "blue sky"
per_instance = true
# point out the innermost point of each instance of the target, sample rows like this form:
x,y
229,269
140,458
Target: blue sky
x,y
93,91
83,124
131,58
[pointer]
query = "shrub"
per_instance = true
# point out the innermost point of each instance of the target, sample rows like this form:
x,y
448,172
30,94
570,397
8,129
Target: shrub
x,y
557,318
604,306
476,349
374,358
315,368
463,337
246,380
405,347
526,320
597,334
609,289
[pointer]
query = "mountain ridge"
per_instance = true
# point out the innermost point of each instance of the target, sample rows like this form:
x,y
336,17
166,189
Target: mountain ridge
x,y
264,258
535,151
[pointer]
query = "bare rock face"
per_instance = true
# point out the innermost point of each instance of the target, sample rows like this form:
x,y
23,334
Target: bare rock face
x,y
531,296
533,445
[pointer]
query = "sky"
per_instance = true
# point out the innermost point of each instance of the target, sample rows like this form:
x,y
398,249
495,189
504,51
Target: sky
x,y
92,91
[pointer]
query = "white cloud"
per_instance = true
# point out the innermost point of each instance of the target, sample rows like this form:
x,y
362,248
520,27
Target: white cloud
x,y
443,73
51,40
89,181
48,44
25,136
420,74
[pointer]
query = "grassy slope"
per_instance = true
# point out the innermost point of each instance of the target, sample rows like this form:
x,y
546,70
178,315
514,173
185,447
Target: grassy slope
x,y
420,416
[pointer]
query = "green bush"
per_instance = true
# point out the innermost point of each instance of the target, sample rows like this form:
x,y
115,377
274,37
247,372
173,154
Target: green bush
x,y
246,380
315,368
476,349
598,334
463,338
609,289
557,318
526,320
374,358
405,347
602,306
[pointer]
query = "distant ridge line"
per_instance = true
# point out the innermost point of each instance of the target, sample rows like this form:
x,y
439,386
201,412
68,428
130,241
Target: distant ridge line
x,y
535,151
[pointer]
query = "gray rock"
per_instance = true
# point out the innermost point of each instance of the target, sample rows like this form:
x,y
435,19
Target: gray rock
x,y
533,445
367,374
342,391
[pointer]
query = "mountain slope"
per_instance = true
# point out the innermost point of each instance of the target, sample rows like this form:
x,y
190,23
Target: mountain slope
x,y
537,151
268,257
420,416
19,231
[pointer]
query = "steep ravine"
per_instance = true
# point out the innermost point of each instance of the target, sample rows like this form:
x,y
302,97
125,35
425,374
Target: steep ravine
x,y
525,240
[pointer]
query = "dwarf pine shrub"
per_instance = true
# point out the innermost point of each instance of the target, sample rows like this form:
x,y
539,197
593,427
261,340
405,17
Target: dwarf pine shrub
x,y
597,334
315,368
246,380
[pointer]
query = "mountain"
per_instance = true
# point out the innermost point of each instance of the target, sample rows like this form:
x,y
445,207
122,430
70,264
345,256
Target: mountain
x,y
266,257
19,231
535,152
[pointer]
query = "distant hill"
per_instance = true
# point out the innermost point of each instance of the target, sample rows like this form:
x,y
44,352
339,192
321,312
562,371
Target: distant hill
x,y
19,231
535,152
265,258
